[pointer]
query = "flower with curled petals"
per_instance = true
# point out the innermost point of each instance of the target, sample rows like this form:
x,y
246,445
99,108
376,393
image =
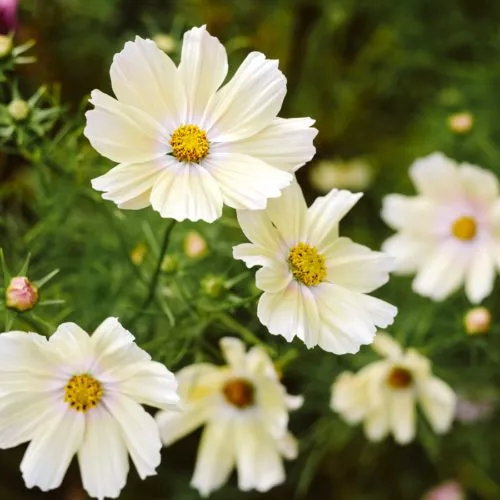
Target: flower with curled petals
x,y
245,411
76,394
185,142
315,282
449,234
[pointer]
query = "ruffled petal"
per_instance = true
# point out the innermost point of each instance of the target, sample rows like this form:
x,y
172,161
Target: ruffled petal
x,y
408,251
438,401
402,410
480,275
411,214
479,184
273,279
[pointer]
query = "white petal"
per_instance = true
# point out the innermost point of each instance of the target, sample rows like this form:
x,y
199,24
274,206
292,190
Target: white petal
x,y
72,344
480,275
234,351
54,444
215,458
273,279
271,402
288,446
413,214
386,346
286,144
325,213
258,460
254,255
376,423
187,191
21,414
260,364
289,214
248,102
202,69
408,251
149,383
103,457
436,176
140,432
199,381
175,425
126,183
349,397
438,402
479,184
291,312
245,182
356,267
137,203
403,415
143,76
123,133
442,273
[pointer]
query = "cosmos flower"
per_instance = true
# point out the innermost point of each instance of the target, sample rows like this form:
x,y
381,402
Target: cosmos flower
x,y
315,282
384,394
449,234
186,143
76,394
245,411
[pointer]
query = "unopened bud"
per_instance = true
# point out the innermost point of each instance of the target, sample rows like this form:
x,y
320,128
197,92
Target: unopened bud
x,y
460,123
195,246
18,109
21,295
449,490
138,253
165,42
213,286
169,264
477,320
5,45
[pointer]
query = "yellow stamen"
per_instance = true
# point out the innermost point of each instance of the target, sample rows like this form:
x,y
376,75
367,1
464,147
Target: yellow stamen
x,y
239,392
189,143
83,392
308,266
399,378
464,228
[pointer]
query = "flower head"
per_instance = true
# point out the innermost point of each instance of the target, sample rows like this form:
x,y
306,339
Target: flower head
x,y
315,283
8,15
185,142
80,394
21,294
449,233
384,394
245,411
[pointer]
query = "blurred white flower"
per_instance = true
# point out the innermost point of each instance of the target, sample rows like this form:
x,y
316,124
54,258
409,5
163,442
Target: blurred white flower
x,y
315,283
384,394
185,144
450,232
355,174
80,394
245,411
448,490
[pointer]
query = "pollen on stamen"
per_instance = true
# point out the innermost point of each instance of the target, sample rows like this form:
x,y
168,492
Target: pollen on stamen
x,y
83,392
307,265
189,144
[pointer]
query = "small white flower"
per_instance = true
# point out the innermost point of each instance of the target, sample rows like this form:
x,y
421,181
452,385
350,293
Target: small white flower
x,y
80,394
315,283
245,411
384,394
450,232
186,144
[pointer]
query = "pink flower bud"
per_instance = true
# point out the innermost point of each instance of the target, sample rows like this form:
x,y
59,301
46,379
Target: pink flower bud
x,y
449,490
195,246
21,295
477,320
8,15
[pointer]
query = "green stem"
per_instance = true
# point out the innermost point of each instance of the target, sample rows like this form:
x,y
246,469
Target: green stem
x,y
247,335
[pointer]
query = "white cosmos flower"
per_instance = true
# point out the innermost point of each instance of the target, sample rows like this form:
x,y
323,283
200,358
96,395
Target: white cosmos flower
x,y
80,394
184,142
384,394
450,232
315,282
245,411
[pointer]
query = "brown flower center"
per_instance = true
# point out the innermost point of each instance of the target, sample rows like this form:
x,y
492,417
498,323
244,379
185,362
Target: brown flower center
x,y
239,392
399,378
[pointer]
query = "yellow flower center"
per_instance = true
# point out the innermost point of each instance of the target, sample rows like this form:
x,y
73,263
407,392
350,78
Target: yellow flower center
x,y
239,392
83,392
189,143
464,228
399,378
308,266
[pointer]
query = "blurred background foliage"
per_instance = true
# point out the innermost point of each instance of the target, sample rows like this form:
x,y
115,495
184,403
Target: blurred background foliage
x,y
384,80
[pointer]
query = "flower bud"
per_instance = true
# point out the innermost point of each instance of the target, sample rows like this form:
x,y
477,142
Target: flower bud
x,y
21,295
354,174
449,490
5,45
18,109
165,42
195,246
213,286
477,320
138,253
170,264
460,123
